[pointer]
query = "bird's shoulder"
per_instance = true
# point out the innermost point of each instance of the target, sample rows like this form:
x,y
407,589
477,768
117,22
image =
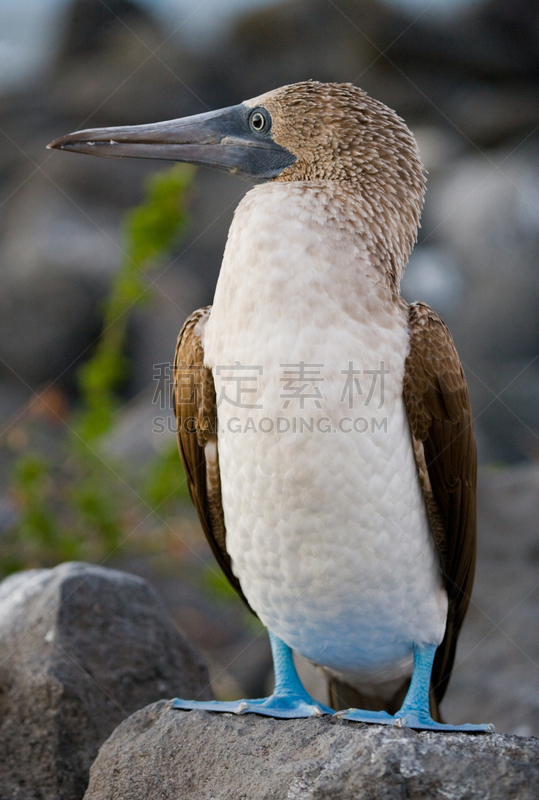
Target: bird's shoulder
x,y
434,382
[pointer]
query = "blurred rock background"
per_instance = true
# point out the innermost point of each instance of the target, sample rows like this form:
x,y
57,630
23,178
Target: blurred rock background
x,y
465,77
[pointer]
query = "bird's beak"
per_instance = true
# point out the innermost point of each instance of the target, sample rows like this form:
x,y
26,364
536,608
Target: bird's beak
x,y
219,139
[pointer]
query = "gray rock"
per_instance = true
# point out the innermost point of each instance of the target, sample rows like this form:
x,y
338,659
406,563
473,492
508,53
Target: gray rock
x,y
160,752
81,648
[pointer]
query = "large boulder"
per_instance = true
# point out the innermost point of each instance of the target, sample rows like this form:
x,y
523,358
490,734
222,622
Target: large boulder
x,y
170,754
81,648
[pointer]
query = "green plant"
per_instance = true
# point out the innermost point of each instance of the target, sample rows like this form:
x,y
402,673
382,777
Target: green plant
x,y
78,501
150,231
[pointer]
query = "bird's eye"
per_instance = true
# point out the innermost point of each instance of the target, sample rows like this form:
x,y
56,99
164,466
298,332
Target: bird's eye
x,y
259,121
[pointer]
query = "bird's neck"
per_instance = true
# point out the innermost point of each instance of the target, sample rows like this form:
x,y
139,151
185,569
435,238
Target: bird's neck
x,y
301,259
313,233
299,283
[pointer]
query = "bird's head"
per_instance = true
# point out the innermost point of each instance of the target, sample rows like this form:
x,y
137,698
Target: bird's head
x,y
307,132
337,133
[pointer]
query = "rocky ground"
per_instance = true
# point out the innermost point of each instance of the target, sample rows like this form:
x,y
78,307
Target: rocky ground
x,y
84,650
170,754
81,648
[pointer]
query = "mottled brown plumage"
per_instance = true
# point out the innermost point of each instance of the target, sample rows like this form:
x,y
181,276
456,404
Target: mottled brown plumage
x,y
196,416
438,407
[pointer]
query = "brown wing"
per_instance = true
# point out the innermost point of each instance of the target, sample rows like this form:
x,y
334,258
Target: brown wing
x,y
438,407
196,416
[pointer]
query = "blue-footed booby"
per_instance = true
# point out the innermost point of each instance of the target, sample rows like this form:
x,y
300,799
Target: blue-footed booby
x,y
324,424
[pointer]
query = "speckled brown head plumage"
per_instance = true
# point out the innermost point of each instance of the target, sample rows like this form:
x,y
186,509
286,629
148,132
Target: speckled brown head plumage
x,y
338,133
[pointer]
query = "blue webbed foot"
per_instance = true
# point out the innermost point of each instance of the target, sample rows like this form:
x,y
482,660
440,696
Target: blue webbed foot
x,y
423,722
374,717
288,701
281,705
414,712
409,719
